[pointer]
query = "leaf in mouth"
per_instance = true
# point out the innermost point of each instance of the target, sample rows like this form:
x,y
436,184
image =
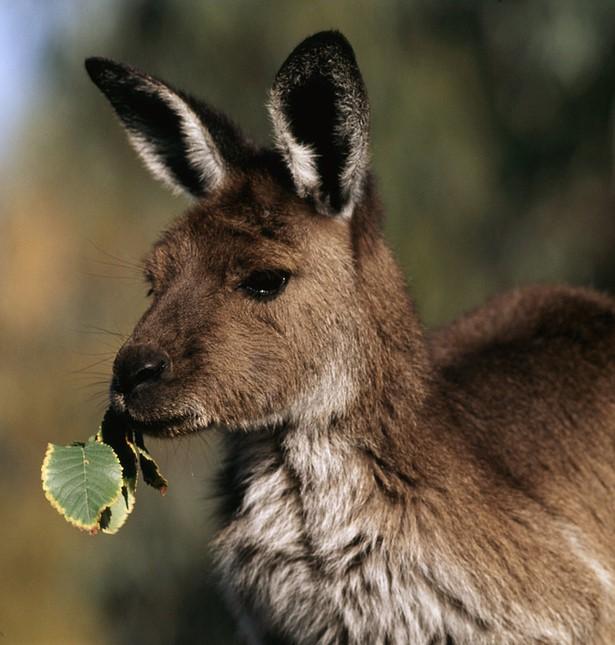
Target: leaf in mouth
x,y
81,480
114,433
149,468
93,485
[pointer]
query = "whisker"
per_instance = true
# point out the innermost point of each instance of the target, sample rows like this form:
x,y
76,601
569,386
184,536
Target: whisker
x,y
92,354
92,374
108,276
126,262
86,386
94,329
116,265
101,406
81,370
98,397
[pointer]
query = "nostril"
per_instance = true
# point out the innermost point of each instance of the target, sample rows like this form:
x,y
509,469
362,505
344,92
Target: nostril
x,y
138,365
149,372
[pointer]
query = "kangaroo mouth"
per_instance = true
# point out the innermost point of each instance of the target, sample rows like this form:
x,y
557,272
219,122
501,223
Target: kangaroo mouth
x,y
164,427
156,424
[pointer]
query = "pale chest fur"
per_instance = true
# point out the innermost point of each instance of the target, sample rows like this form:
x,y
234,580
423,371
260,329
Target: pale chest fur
x,y
320,585
331,566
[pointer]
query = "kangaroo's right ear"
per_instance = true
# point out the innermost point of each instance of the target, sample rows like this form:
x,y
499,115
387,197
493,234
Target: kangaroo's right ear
x,y
183,142
320,114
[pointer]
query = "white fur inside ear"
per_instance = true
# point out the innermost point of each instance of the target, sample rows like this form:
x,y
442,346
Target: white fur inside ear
x,y
202,153
152,160
300,158
353,127
352,178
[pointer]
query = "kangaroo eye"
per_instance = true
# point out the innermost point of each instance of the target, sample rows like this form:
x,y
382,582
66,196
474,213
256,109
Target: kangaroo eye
x,y
264,285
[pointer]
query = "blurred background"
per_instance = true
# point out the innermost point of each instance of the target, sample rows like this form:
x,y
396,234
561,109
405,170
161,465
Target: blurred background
x,y
492,130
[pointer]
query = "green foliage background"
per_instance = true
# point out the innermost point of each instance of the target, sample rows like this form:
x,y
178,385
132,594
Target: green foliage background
x,y
492,141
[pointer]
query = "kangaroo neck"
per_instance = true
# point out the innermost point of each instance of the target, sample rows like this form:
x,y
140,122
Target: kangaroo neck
x,y
347,463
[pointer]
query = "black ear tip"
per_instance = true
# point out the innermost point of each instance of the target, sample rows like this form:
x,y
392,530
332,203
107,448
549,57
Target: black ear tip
x,y
329,38
322,50
103,69
95,67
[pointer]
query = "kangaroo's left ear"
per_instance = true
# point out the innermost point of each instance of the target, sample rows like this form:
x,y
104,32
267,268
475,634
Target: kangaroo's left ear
x,y
183,142
320,113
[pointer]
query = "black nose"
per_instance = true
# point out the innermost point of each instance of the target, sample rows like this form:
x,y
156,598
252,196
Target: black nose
x,y
138,365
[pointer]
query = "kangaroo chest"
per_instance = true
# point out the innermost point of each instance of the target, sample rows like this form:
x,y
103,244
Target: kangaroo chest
x,y
320,570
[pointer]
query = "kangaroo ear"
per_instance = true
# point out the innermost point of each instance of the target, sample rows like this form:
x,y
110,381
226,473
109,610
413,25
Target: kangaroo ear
x,y
320,113
184,143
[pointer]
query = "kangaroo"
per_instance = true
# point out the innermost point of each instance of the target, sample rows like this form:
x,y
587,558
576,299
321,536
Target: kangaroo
x,y
382,484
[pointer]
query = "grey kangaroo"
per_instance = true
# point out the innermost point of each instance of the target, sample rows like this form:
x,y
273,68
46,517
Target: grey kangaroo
x,y
382,484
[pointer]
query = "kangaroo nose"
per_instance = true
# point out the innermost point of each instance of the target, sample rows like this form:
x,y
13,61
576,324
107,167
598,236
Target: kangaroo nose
x,y
137,365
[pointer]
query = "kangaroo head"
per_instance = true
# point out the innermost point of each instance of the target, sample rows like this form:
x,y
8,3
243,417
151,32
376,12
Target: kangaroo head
x,y
256,301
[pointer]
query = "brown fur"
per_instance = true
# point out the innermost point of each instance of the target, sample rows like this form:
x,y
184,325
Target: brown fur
x,y
383,485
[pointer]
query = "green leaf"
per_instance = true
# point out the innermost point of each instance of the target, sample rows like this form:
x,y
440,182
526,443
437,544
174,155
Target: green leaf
x,y
115,433
114,517
96,493
81,480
